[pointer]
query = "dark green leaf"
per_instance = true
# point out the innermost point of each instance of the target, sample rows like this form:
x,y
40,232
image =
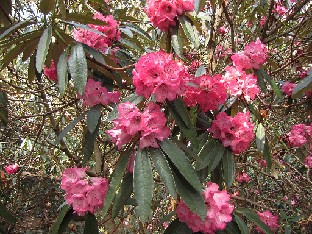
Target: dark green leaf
x,y
180,160
62,73
228,167
231,227
177,227
46,6
143,184
31,69
261,81
84,19
163,169
91,225
115,180
29,49
11,55
57,225
14,27
253,217
95,54
78,69
176,42
43,48
4,213
4,108
303,86
260,137
267,153
93,117
69,127
88,143
189,30
241,224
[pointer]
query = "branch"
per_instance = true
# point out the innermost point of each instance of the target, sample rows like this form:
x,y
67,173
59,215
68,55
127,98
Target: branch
x,y
230,22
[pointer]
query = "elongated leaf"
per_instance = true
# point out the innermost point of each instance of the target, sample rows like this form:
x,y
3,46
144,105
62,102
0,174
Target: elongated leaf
x,y
163,169
177,227
253,217
95,54
241,224
260,137
69,127
176,42
78,69
228,167
263,75
31,69
43,48
115,180
267,153
14,27
29,49
303,86
143,184
88,143
192,198
123,195
64,211
210,155
4,213
91,225
83,26
93,117
180,160
11,55
62,73
4,108
189,30
46,6
84,19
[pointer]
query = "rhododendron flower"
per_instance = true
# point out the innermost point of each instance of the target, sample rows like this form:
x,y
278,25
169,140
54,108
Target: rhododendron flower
x,y
244,177
263,163
269,219
308,161
96,94
209,92
82,193
263,20
222,30
158,74
299,135
11,169
219,211
239,83
235,132
288,87
163,13
150,125
95,40
280,9
50,72
257,52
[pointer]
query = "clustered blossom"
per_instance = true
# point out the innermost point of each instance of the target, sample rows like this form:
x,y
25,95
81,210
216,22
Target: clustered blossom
x,y
280,9
288,87
299,135
208,91
308,161
95,94
81,193
150,125
11,169
50,72
219,211
96,40
263,20
163,13
244,177
158,74
269,219
236,132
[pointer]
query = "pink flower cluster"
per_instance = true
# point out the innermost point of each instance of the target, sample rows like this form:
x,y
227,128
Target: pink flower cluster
x,y
150,125
163,13
158,74
209,92
269,219
50,72
300,134
308,161
288,87
219,211
280,9
236,132
83,194
11,169
96,94
95,40
244,177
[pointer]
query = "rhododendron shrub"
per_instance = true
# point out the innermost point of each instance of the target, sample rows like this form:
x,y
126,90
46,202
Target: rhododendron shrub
x,y
219,210
269,219
82,193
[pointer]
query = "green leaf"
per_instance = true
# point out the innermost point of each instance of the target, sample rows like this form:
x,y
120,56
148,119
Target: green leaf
x,y
83,19
11,55
46,6
15,27
260,137
267,153
177,227
199,5
91,225
78,69
4,108
228,167
253,217
123,195
241,224
143,184
189,30
31,72
115,180
29,49
95,54
62,73
43,48
180,160
303,86
69,127
57,225
192,198
209,155
176,42
88,144
93,117
164,171
231,227
4,213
